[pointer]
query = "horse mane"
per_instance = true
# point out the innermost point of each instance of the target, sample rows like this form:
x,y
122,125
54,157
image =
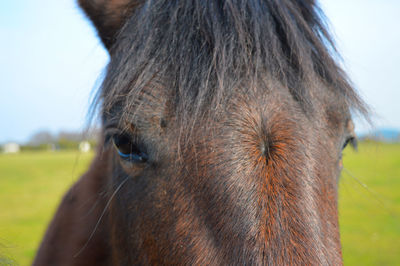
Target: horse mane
x,y
202,50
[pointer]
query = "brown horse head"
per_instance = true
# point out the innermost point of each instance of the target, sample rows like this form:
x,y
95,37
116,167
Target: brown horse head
x,y
223,126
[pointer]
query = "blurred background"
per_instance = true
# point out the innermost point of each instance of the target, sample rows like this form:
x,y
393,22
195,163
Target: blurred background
x,y
52,63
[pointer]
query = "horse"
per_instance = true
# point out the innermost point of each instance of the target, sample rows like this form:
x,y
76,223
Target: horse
x,y
223,124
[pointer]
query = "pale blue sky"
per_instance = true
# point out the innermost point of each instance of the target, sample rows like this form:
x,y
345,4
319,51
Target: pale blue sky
x,y
51,60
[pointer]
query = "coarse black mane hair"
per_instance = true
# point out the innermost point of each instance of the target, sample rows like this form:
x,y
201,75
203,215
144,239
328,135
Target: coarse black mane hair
x,y
201,50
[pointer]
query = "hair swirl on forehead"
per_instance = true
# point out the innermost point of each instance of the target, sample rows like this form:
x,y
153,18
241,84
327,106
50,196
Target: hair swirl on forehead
x,y
202,50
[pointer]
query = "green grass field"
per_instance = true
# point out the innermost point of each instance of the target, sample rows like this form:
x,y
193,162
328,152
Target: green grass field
x,y
369,205
31,185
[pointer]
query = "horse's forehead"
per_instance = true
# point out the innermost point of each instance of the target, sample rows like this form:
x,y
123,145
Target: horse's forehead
x,y
155,102
154,105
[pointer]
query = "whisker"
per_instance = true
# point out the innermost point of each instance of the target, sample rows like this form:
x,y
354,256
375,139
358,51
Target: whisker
x,y
101,217
377,196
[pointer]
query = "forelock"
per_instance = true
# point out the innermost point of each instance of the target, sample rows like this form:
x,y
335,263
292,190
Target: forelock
x,y
203,50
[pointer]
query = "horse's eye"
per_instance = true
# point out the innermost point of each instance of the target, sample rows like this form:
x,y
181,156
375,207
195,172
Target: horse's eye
x,y
350,140
128,150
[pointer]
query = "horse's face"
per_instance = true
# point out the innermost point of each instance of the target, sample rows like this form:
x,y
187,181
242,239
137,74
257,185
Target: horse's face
x,y
250,180
257,181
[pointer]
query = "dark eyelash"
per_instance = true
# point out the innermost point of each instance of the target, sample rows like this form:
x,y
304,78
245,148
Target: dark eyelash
x,y
352,141
108,136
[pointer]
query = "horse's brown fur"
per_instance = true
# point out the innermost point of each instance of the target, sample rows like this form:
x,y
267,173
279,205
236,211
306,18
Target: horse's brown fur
x,y
242,112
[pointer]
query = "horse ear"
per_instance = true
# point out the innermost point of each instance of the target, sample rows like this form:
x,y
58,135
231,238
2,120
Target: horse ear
x,y
108,16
